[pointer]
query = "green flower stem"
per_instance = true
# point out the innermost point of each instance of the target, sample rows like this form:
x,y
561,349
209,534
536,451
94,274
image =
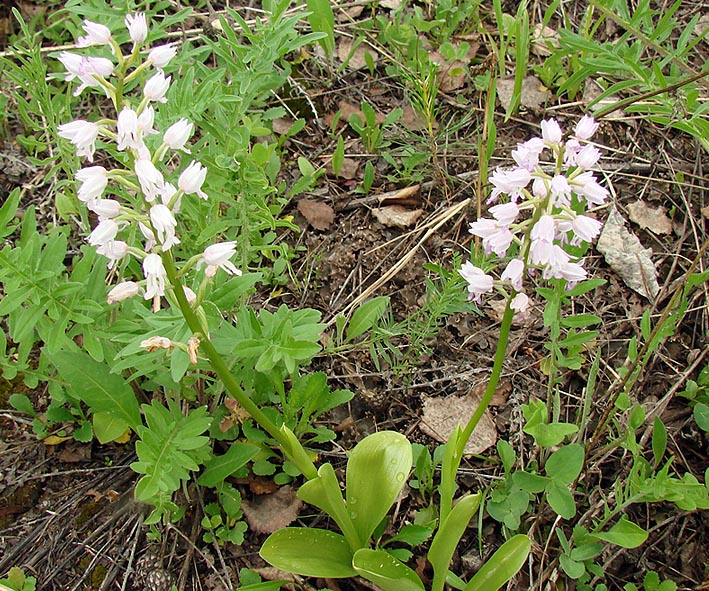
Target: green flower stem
x,y
300,458
494,378
449,473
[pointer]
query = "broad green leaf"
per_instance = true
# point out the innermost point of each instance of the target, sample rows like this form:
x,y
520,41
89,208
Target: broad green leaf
x,y
221,467
108,427
309,552
502,565
22,403
701,416
560,499
376,472
94,384
565,464
624,533
324,493
366,316
573,568
448,535
385,571
265,586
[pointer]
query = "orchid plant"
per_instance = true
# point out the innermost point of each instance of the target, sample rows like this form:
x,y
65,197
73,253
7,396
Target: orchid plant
x,y
538,230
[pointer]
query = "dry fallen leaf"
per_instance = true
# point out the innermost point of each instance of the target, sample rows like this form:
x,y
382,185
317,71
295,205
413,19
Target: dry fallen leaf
x,y
705,212
441,415
627,257
355,59
319,215
396,215
542,39
268,513
653,218
534,93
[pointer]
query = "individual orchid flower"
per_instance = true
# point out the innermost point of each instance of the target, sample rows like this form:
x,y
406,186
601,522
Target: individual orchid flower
x,y
156,87
177,135
478,281
217,257
123,291
164,223
94,180
83,135
160,55
137,27
192,179
96,34
155,276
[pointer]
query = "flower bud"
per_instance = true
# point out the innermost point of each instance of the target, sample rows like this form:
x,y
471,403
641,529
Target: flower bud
x,y
123,291
192,178
93,182
156,87
177,135
137,27
96,34
551,131
586,127
161,55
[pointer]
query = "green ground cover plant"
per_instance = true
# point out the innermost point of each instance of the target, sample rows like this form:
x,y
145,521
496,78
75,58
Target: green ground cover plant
x,y
137,309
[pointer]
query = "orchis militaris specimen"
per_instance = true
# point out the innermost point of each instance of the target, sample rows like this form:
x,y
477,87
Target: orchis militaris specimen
x,y
537,230
146,198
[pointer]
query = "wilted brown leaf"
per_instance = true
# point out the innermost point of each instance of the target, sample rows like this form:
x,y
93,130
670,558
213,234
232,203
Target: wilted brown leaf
x,y
355,59
268,513
652,218
319,215
398,216
534,93
442,415
627,257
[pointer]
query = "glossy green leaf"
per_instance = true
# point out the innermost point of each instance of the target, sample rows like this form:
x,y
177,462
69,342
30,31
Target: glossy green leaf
x,y
701,416
94,384
448,535
366,316
376,472
324,493
309,552
219,468
624,533
108,427
502,565
385,571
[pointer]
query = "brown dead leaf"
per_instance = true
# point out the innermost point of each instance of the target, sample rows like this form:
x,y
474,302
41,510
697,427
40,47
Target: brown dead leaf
x,y
442,415
348,170
410,119
268,513
653,218
542,38
534,93
355,58
626,255
74,453
282,125
705,211
319,215
397,216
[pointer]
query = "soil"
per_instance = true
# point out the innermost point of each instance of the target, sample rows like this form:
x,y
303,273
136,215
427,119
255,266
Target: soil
x,y
67,513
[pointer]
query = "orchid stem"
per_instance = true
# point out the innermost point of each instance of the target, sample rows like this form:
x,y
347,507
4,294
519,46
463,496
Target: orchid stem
x,y
300,457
